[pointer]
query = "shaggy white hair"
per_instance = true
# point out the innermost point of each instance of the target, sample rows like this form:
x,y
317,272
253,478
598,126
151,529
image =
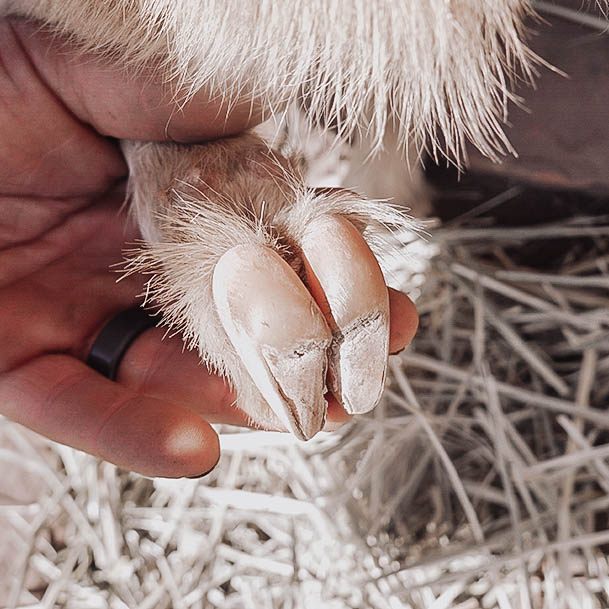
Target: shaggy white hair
x,y
439,69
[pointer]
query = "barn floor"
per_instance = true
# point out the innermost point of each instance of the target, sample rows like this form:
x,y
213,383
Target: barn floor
x,y
480,481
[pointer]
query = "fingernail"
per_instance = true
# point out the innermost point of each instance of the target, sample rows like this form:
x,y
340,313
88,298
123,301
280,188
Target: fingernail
x,y
209,471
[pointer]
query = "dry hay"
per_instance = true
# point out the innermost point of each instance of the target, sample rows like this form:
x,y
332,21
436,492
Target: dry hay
x,y
481,480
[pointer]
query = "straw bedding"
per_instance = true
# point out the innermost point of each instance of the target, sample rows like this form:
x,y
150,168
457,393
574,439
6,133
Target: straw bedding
x,y
480,481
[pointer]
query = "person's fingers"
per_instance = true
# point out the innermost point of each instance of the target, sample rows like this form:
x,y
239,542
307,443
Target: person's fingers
x,y
63,399
162,368
120,103
403,321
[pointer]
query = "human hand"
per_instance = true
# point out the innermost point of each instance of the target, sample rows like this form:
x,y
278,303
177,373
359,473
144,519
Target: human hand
x,y
62,185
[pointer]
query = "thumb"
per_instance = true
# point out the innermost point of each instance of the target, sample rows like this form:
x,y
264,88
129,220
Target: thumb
x,y
119,103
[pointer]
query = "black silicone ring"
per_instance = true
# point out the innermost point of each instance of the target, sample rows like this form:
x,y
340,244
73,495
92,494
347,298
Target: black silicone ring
x,y
114,340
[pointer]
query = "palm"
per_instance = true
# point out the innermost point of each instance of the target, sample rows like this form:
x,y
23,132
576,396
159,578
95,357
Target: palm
x,y
56,272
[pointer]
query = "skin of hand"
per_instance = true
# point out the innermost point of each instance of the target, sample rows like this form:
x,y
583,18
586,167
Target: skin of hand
x,y
62,226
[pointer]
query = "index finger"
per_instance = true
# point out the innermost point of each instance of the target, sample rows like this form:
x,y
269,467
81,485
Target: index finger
x,y
61,398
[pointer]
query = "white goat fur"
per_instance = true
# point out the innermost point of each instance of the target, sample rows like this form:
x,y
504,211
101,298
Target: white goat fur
x,y
438,68
434,72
